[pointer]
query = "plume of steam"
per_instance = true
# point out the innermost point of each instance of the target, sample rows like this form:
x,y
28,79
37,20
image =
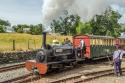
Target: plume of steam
x,y
86,9
53,8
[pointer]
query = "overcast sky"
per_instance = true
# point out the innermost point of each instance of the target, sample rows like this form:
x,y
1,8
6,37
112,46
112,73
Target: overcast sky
x,y
21,11
28,11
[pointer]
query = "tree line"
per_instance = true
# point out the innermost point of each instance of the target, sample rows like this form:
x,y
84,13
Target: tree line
x,y
105,24
20,28
30,29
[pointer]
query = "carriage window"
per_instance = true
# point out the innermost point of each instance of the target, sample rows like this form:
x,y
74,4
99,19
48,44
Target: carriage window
x,y
121,42
124,42
103,41
100,41
107,42
91,41
94,42
111,41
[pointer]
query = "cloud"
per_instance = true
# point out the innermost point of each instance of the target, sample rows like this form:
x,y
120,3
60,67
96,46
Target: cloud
x,y
86,9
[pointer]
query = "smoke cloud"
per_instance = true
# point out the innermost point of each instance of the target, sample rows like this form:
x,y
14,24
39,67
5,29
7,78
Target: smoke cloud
x,y
86,9
53,8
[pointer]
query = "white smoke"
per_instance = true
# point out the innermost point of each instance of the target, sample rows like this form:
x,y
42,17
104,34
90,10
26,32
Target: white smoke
x,y
53,8
86,9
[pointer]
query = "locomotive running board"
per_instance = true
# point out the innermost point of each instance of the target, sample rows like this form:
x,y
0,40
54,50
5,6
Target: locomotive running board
x,y
64,61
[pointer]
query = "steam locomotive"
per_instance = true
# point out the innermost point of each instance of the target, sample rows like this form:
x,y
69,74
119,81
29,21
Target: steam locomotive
x,y
58,57
54,57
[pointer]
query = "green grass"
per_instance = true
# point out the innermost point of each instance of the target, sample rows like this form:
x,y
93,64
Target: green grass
x,y
21,41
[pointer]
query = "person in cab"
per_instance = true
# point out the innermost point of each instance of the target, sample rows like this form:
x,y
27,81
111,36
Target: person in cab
x,y
67,42
82,46
55,42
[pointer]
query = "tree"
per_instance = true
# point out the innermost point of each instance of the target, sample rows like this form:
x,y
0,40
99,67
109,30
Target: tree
x,y
3,25
84,28
66,25
31,29
36,29
20,28
106,24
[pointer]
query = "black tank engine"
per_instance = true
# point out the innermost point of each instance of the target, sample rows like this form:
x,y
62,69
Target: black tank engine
x,y
52,57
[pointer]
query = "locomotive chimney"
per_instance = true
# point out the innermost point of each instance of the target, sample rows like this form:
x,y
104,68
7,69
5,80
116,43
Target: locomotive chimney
x,y
44,40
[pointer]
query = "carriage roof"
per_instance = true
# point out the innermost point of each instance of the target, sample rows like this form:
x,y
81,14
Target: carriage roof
x,y
96,36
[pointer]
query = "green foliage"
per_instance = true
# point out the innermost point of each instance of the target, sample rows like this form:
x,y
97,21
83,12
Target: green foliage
x,y
31,29
35,30
3,25
84,28
66,25
106,24
123,27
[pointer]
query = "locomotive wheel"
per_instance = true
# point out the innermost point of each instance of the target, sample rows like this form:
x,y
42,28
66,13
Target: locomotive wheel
x,y
40,57
74,64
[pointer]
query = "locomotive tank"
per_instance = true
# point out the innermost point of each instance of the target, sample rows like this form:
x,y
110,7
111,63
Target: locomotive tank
x,y
51,57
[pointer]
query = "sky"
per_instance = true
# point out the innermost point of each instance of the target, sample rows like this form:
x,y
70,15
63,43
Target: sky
x,y
30,11
21,11
121,10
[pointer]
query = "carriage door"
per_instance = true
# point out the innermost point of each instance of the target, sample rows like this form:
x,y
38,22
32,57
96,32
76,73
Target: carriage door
x,y
86,39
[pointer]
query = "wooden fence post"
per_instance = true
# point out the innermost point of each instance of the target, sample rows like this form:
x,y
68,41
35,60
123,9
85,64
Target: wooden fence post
x,y
35,44
14,45
28,44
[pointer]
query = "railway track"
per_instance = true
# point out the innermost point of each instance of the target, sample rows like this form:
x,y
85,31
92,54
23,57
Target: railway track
x,y
75,78
28,77
23,79
12,67
84,77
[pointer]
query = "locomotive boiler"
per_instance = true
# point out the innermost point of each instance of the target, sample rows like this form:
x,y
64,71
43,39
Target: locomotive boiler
x,y
54,57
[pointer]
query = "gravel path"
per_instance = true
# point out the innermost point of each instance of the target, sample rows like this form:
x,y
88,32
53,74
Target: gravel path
x,y
78,70
83,69
12,74
111,79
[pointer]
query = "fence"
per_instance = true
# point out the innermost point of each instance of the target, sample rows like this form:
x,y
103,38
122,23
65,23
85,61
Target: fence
x,y
19,45
23,42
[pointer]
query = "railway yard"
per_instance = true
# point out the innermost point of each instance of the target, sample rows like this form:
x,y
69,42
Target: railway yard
x,y
71,41
94,72
62,61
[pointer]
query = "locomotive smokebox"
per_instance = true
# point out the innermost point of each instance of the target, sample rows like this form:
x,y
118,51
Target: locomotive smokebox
x,y
44,40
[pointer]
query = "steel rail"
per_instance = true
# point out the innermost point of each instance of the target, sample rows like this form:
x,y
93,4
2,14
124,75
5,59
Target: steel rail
x,y
83,77
12,67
